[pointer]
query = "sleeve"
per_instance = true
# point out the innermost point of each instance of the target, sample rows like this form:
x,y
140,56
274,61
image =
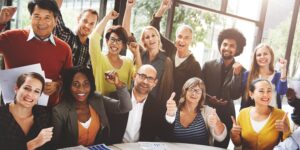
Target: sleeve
x,y
236,86
69,61
63,32
167,45
57,121
118,106
5,41
96,55
170,119
281,87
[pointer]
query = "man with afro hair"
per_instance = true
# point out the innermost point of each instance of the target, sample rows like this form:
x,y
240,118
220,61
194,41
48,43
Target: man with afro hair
x,y
223,78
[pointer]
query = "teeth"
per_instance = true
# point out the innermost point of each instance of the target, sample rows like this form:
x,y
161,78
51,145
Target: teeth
x,y
81,94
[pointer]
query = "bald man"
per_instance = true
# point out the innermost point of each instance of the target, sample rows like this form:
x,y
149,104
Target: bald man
x,y
142,123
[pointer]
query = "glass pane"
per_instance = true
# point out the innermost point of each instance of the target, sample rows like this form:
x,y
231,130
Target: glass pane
x,y
294,67
247,9
213,4
206,27
277,26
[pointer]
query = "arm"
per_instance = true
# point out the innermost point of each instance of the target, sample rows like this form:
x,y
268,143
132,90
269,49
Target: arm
x,y
58,123
44,136
127,16
216,127
59,3
235,84
281,86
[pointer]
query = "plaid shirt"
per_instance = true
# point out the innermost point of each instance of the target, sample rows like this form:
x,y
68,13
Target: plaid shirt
x,y
80,51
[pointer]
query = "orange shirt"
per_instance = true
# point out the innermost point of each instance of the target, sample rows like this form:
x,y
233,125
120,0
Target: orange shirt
x,y
87,136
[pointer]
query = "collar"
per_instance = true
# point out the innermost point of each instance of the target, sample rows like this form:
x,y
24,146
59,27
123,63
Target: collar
x,y
32,35
133,99
222,61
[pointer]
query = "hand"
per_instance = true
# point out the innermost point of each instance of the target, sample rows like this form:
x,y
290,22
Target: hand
x,y
112,15
236,128
134,47
282,64
51,87
166,4
217,102
7,13
213,118
281,125
130,3
44,136
237,68
171,105
112,77
291,94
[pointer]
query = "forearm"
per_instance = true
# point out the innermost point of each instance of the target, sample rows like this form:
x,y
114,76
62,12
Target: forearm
x,y
126,20
32,144
125,100
236,139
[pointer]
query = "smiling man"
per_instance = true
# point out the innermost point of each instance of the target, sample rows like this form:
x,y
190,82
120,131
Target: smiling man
x,y
38,45
223,78
78,40
185,64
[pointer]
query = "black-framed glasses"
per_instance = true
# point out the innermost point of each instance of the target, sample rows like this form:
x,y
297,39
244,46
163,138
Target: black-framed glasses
x,y
115,40
143,77
196,91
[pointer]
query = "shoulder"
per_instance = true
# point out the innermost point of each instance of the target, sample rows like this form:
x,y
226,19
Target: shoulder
x,y
16,32
61,44
278,112
211,62
62,107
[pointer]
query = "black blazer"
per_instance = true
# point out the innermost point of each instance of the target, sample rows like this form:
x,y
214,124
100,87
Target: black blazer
x,y
150,125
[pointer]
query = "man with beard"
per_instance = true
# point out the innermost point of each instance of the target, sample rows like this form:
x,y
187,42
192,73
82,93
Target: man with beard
x,y
142,122
77,40
223,78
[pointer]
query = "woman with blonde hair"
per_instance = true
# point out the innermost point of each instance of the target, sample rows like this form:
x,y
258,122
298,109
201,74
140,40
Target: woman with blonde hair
x,y
262,66
193,122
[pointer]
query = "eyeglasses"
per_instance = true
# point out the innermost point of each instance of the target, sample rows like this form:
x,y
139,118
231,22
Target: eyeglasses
x,y
115,40
193,90
143,77
77,85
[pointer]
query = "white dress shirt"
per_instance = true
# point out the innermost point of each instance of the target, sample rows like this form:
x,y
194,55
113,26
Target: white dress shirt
x,y
132,132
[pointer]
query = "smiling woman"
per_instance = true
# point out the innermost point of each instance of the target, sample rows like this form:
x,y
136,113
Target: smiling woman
x,y
23,124
80,119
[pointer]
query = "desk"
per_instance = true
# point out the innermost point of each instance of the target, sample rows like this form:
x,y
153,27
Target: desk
x,y
161,146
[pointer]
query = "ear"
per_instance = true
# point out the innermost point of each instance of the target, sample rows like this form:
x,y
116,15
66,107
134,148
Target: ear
x,y
155,82
250,94
16,89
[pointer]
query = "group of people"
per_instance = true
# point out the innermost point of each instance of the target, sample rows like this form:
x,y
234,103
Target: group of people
x,y
162,94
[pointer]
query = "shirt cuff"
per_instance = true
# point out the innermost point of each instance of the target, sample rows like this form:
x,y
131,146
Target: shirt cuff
x,y
170,119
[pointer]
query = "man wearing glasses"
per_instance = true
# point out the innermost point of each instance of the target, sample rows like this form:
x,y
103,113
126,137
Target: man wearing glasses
x,y
141,123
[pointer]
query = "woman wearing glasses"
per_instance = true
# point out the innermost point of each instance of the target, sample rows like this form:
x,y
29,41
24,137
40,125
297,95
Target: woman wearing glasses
x,y
116,40
193,122
80,118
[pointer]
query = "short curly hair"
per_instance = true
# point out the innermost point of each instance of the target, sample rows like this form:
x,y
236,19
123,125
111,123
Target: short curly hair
x,y
235,35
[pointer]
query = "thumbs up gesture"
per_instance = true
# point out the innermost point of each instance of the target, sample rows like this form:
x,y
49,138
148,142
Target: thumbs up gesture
x,y
213,118
171,105
236,128
281,125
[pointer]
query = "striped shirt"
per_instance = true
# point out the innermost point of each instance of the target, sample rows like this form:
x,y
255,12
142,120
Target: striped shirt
x,y
195,133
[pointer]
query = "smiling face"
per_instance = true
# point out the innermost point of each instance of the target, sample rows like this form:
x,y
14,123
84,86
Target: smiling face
x,y
145,80
115,44
263,57
262,93
42,22
86,23
29,92
183,39
228,49
80,87
150,39
193,95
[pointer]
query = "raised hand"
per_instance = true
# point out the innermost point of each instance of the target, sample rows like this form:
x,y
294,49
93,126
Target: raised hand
x,y
281,125
51,87
237,68
112,15
171,105
236,128
282,64
130,3
7,13
134,47
166,4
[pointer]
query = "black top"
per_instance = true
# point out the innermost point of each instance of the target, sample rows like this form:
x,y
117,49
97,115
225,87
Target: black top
x,y
12,136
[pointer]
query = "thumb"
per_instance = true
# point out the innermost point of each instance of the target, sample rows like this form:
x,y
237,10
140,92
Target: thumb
x,y
233,120
284,117
172,96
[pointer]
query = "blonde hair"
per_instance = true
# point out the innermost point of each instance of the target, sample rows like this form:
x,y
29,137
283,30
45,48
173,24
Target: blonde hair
x,y
157,34
254,68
